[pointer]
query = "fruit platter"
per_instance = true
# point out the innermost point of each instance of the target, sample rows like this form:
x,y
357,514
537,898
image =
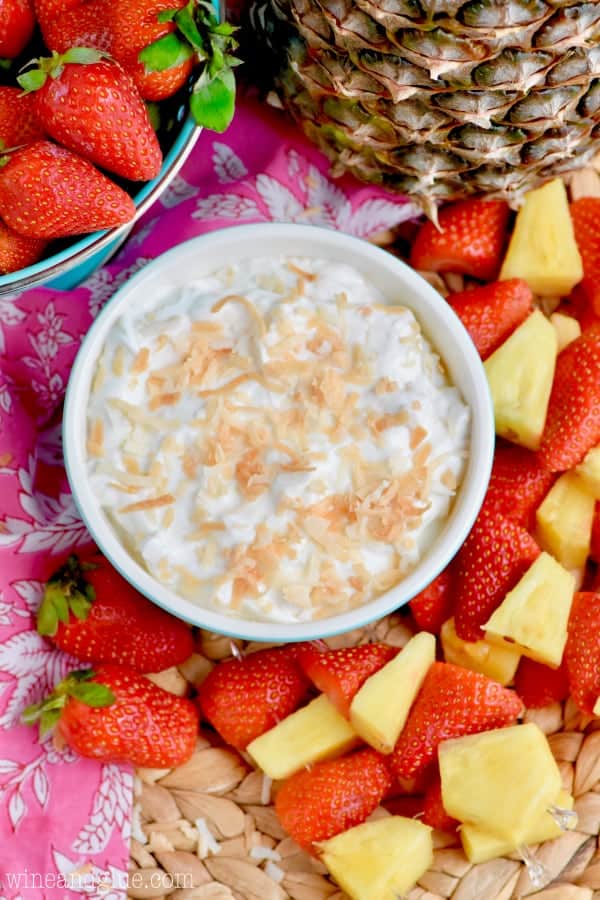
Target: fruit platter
x,y
451,748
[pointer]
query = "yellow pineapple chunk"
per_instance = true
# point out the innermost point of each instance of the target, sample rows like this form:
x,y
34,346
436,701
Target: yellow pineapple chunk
x,y
479,846
589,472
567,329
596,709
520,374
564,521
542,249
534,615
495,661
380,860
380,708
500,781
315,732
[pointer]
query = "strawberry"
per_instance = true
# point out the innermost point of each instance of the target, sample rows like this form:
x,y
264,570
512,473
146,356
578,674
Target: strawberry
x,y
538,685
340,673
573,419
595,542
49,11
17,21
91,612
434,813
331,797
518,484
495,555
582,651
451,703
18,122
117,715
85,24
435,603
491,313
16,251
91,106
470,239
47,191
585,214
580,308
243,698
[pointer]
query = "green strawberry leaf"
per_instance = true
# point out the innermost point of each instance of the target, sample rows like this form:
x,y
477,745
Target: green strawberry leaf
x,y
92,694
31,714
187,26
213,103
32,80
79,606
167,15
47,618
165,53
48,720
153,110
83,55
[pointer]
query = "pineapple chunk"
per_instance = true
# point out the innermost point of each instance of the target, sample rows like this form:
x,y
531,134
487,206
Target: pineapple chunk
x,y
534,615
380,708
500,781
479,846
596,709
542,249
564,521
589,472
380,860
313,733
520,374
567,329
495,661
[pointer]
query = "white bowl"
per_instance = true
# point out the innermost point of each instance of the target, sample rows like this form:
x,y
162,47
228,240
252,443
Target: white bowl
x,y
397,282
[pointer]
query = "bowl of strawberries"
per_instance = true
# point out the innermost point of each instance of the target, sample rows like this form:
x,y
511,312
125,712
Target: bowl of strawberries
x,y
100,105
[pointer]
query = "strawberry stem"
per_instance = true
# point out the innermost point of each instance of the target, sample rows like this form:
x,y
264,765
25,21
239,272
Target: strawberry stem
x,y
77,684
66,592
35,73
200,34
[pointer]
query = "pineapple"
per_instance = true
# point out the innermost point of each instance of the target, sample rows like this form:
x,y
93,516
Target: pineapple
x,y
500,781
564,521
596,709
567,329
520,374
437,98
380,860
313,733
380,708
534,615
589,472
479,846
542,250
495,661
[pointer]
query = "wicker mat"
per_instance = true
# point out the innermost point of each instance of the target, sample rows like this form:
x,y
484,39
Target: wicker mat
x,y
208,830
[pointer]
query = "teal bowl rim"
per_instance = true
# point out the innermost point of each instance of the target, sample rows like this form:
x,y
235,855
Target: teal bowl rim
x,y
54,266
480,459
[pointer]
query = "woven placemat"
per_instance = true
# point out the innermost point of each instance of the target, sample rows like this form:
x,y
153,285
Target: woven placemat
x,y
208,830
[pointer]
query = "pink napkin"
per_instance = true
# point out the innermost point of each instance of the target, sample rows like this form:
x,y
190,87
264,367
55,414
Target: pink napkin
x,y
64,821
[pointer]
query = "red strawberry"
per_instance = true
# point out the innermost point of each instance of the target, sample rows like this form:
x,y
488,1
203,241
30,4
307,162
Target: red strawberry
x,y
117,715
470,239
496,554
243,698
16,251
17,22
18,122
86,24
332,797
518,484
491,313
91,106
434,813
47,191
538,685
91,612
435,603
582,652
452,702
49,11
579,306
573,420
595,542
585,214
340,673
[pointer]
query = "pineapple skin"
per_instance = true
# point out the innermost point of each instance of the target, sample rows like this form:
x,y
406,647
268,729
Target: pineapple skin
x,y
437,99
500,781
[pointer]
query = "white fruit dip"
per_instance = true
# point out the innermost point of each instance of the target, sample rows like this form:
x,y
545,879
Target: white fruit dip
x,y
275,441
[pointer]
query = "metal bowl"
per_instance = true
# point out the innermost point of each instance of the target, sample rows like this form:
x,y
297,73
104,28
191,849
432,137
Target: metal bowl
x,y
72,265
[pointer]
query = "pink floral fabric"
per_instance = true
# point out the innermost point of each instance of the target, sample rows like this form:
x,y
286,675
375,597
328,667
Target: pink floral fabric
x,y
64,821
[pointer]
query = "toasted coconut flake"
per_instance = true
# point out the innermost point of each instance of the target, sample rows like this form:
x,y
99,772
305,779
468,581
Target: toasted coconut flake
x,y
239,298
309,276
141,361
150,503
95,442
168,399
118,361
